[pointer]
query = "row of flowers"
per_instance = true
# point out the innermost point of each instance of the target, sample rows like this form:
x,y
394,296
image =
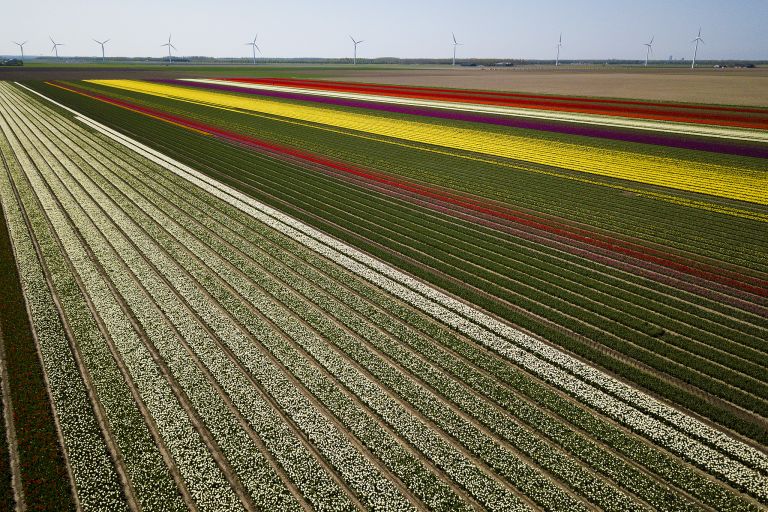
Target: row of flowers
x,y
331,442
706,114
378,441
713,179
291,454
203,478
245,458
144,463
95,479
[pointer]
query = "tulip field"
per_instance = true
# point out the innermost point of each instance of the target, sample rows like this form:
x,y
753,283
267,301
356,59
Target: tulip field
x,y
283,294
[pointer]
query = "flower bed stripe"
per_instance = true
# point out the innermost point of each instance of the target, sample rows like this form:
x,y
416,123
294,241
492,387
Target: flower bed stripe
x,y
659,138
712,179
495,97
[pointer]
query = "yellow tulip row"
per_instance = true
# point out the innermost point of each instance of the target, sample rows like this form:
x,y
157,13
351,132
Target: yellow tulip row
x,y
713,179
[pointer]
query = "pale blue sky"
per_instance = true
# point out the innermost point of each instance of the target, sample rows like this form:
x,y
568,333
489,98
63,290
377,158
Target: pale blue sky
x,y
593,29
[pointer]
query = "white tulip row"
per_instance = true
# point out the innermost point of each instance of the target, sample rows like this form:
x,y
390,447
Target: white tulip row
x,y
144,463
231,439
530,353
264,488
358,469
91,469
302,467
203,478
375,487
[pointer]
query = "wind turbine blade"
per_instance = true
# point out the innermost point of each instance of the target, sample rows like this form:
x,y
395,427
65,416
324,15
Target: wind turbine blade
x,y
257,47
353,39
173,47
105,42
454,38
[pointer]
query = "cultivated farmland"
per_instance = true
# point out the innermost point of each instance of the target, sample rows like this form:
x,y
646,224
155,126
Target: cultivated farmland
x,y
279,294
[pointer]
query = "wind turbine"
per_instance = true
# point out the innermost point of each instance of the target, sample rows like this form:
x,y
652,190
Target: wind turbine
x,y
21,47
354,60
169,45
696,50
55,47
102,43
649,50
559,44
255,47
455,44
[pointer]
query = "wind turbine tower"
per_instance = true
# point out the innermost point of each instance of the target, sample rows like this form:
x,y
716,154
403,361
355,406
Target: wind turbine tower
x,y
255,47
455,44
559,44
354,58
55,47
169,45
102,43
21,47
696,50
649,50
